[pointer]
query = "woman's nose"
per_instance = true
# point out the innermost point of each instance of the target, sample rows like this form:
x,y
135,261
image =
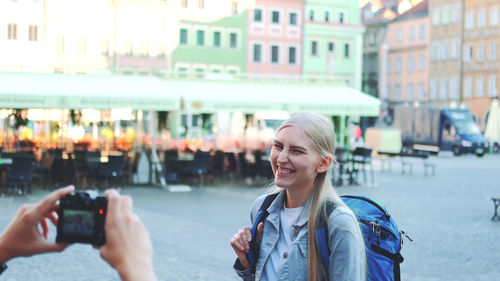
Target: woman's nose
x,y
282,156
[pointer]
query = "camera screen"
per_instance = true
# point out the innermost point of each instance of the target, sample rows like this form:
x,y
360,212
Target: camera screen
x,y
79,222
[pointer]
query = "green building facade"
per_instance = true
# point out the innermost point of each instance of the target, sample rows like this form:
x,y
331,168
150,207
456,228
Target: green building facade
x,y
211,47
333,42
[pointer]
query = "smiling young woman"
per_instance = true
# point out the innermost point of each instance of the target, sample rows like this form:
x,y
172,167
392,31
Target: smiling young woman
x,y
302,161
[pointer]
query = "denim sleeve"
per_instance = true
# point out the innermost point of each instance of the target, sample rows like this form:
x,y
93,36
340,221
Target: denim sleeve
x,y
347,258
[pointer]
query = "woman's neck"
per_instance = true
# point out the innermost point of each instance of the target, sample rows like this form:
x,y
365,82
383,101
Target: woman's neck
x,y
297,197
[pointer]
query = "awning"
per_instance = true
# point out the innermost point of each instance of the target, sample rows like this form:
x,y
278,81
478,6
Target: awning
x,y
30,90
251,97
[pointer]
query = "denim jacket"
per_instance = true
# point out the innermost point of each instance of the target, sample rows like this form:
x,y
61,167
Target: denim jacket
x,y
347,258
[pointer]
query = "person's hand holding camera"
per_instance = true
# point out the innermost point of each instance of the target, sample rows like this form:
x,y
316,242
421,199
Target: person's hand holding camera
x,y
128,247
23,236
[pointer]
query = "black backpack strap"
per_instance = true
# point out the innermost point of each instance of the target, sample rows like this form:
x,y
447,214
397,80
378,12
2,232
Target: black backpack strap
x,y
253,254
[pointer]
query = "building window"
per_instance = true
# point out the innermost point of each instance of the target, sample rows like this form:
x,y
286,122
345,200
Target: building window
x,y
468,53
257,15
293,19
454,49
492,86
104,47
33,33
372,39
399,34
389,66
468,87
493,51
183,38
481,18
411,34
331,47
494,16
480,52
455,14
217,39
161,51
275,17
327,16
341,17
443,51
311,15
421,91
399,65
60,44
397,94
233,40
411,64
12,31
257,53
388,94
129,49
480,87
201,4
347,50
200,37
443,89
421,62
436,17
314,48
454,88
234,7
434,89
145,50
469,20
445,15
275,54
410,92
82,46
184,3
292,55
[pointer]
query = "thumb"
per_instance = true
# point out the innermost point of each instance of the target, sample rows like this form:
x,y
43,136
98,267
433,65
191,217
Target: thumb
x,y
260,228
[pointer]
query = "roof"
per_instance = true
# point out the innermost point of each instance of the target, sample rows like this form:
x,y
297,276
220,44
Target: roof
x,y
419,10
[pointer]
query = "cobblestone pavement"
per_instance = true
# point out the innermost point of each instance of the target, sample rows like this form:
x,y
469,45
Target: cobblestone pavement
x,y
447,215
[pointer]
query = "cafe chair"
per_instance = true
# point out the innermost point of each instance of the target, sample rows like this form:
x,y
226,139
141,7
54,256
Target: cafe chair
x,y
20,173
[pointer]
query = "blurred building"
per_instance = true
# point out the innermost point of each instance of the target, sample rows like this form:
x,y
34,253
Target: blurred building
x,y
333,41
375,22
481,64
404,56
446,52
275,38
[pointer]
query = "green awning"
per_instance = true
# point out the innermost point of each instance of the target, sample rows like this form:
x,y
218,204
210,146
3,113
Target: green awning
x,y
251,97
30,90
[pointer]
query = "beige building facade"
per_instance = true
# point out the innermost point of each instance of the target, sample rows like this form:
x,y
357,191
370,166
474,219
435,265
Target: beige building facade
x,y
481,57
404,57
446,69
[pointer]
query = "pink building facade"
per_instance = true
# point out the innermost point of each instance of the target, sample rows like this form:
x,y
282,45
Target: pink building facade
x,y
405,57
275,38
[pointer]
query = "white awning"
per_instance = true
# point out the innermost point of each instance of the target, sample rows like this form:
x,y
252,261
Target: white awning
x,y
252,97
29,90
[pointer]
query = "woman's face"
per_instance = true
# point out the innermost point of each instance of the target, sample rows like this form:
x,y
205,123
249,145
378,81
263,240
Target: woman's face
x,y
294,159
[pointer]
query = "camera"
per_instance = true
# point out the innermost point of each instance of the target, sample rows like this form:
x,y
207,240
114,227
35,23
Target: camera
x,y
81,218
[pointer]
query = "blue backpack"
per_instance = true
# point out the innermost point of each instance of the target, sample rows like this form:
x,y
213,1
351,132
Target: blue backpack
x,y
380,233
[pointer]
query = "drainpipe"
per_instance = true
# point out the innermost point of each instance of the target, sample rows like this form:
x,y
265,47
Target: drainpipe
x,y
461,78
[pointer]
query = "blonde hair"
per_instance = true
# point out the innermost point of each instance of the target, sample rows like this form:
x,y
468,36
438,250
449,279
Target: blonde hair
x,y
320,131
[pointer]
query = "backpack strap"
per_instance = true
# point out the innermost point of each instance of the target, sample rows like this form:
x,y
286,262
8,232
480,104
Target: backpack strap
x,y
253,254
321,235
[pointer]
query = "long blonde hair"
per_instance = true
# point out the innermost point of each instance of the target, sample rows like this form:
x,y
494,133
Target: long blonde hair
x,y
320,130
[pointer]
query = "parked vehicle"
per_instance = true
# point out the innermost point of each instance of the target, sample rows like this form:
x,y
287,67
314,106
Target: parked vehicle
x,y
492,131
436,128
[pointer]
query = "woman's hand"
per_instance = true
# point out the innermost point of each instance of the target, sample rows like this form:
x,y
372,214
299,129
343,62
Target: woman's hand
x,y
23,236
128,247
241,243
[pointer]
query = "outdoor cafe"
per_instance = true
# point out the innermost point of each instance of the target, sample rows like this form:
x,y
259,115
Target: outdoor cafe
x,y
92,130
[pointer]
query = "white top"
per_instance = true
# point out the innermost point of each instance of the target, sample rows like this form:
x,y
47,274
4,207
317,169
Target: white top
x,y
288,218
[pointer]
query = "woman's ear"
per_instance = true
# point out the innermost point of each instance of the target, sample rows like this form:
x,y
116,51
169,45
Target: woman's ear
x,y
325,164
